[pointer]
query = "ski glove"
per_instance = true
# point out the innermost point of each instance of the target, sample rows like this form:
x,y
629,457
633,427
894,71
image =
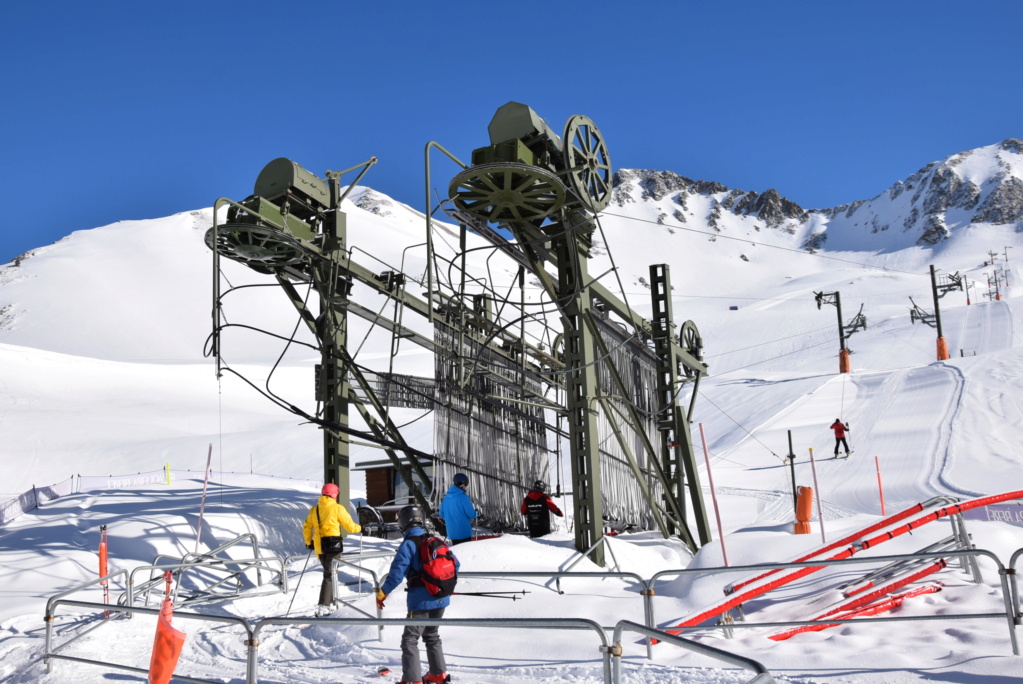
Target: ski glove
x,y
380,598
309,546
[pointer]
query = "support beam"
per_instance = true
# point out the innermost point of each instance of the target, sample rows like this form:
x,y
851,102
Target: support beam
x,y
677,454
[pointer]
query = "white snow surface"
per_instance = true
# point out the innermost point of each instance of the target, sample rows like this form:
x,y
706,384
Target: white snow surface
x,y
101,345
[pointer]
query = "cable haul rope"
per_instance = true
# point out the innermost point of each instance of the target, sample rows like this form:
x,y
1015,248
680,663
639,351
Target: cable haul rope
x,y
737,598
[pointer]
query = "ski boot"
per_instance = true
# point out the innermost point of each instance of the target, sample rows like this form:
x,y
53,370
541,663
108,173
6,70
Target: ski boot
x,y
442,678
325,610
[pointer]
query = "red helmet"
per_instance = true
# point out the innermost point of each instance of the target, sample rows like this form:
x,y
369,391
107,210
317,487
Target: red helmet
x,y
330,489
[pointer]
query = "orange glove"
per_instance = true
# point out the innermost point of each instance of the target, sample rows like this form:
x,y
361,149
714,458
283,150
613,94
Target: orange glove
x,y
380,598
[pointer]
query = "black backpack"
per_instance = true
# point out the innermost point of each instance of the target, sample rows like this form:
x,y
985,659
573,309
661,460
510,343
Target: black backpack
x,y
438,574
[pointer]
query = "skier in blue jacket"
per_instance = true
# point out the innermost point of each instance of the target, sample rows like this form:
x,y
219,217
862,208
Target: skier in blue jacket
x,y
457,511
421,604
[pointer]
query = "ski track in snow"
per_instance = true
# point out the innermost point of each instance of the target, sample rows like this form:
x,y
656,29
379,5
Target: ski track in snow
x,y
882,398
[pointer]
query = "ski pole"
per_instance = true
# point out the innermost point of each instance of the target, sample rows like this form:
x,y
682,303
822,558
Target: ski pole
x,y
493,594
310,555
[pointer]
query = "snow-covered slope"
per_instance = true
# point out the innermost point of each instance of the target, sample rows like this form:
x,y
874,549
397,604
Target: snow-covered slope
x,y
101,340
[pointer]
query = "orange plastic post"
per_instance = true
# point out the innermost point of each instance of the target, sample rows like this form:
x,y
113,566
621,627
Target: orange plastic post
x,y
168,641
166,646
843,361
103,567
804,510
942,349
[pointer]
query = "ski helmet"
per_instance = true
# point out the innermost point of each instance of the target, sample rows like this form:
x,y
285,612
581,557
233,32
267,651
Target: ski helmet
x,y
410,516
540,486
330,489
460,479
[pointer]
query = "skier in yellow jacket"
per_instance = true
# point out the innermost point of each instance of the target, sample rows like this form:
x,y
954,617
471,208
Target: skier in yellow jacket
x,y
322,532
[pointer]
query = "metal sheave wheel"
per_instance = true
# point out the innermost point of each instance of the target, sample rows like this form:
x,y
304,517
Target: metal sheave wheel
x,y
507,192
588,164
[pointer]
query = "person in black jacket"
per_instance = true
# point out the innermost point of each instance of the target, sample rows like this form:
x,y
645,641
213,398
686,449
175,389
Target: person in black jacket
x,y
537,507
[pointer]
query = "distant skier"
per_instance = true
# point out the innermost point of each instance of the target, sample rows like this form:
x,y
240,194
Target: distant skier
x,y
535,507
322,532
457,511
840,429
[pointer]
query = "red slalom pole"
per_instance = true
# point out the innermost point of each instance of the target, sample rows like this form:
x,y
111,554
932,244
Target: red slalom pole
x,y
713,496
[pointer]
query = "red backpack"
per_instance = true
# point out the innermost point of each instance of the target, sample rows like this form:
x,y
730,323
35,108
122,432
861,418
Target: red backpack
x,y
438,574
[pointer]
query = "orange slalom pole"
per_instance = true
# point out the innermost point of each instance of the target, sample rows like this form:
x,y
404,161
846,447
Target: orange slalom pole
x,y
103,567
880,487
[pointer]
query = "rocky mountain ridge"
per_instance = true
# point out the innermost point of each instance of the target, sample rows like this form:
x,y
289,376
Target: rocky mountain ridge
x,y
984,185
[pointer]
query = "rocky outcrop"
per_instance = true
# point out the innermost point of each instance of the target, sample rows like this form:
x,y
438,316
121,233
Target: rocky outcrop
x,y
373,202
979,186
1004,204
769,206
934,232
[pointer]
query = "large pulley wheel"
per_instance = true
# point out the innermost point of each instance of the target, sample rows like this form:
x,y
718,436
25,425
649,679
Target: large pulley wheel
x,y
258,247
507,192
689,339
588,166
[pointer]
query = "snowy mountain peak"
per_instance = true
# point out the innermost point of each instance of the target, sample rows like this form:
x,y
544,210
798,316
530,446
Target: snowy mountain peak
x,y
984,185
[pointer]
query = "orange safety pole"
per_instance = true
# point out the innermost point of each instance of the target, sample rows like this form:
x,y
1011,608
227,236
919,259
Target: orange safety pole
x,y
167,643
804,510
103,567
880,487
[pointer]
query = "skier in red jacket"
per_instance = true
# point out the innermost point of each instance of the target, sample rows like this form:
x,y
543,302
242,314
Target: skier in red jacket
x,y
535,507
839,427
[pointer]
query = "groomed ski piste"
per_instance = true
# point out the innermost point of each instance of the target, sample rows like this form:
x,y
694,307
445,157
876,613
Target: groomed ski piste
x,y
936,429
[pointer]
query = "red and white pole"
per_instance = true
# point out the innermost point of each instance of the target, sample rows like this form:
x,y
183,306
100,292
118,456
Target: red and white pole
x,y
820,511
713,495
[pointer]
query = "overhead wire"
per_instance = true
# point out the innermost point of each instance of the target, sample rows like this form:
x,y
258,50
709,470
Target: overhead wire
x,y
765,244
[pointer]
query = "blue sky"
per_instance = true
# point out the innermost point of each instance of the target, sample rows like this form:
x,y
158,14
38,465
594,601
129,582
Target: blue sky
x,y
130,110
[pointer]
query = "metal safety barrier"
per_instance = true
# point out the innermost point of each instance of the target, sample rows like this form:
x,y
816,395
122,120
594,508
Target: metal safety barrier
x,y
1009,614
1013,613
51,652
763,676
209,560
1014,586
133,589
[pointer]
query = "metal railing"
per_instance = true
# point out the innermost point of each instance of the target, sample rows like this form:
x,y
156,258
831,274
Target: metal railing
x,y
209,560
1008,614
763,676
51,652
134,589
1009,585
647,591
1014,586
